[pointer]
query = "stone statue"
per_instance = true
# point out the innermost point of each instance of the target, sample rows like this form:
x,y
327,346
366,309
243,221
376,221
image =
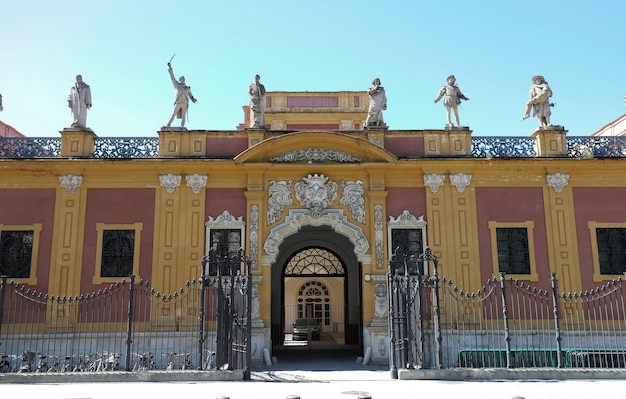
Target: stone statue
x,y
1,103
256,92
378,103
539,101
181,98
452,100
79,101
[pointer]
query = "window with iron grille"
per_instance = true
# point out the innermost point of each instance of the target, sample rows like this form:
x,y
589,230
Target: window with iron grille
x,y
611,250
16,250
225,245
118,250
513,250
407,245
314,302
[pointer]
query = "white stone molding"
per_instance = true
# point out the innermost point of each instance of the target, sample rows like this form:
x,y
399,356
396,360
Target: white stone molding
x,y
377,142
380,244
434,181
315,155
316,192
352,197
381,302
170,182
196,182
460,180
557,180
254,235
225,221
279,196
69,182
297,218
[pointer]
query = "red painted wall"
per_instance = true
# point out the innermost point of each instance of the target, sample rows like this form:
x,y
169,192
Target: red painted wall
x,y
405,146
411,199
117,206
512,204
225,147
586,208
219,200
28,206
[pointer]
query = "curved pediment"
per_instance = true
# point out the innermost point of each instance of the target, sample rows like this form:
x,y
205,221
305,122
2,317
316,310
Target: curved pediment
x,y
315,147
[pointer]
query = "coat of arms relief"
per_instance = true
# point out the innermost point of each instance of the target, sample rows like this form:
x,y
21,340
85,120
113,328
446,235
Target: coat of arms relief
x,y
316,193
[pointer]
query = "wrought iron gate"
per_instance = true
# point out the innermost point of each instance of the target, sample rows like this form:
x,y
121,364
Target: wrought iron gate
x,y
413,307
233,285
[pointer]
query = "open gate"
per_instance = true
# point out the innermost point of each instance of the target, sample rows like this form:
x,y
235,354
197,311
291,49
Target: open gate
x,y
230,279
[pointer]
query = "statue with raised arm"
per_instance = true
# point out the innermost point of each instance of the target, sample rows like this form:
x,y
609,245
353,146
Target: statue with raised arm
x,y
539,101
378,103
452,100
79,101
182,95
256,92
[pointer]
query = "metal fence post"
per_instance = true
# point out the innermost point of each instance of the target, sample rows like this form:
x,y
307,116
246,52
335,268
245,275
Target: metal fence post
x,y
248,264
505,315
202,312
393,368
129,330
421,339
435,280
2,293
557,328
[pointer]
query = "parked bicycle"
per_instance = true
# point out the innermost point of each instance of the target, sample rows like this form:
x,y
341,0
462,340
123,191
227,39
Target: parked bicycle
x,y
184,359
6,365
27,359
145,361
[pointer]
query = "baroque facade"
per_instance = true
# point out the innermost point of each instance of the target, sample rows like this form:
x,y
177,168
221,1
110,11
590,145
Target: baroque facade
x,y
318,205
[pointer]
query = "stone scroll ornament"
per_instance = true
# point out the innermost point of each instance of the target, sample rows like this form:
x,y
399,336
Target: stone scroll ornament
x,y
352,197
316,193
279,196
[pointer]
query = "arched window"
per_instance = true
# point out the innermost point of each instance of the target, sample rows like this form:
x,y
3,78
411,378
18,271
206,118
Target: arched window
x,y
314,301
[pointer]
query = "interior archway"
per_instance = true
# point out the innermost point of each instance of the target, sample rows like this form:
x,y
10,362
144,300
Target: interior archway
x,y
316,275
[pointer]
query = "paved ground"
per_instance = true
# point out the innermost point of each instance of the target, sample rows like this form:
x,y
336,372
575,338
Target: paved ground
x,y
327,377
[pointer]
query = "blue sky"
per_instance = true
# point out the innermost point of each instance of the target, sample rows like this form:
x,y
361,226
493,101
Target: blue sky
x,y
121,47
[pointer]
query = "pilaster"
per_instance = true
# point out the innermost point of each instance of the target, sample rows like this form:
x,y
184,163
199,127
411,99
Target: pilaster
x,y
180,142
551,141
77,143
450,142
69,225
561,231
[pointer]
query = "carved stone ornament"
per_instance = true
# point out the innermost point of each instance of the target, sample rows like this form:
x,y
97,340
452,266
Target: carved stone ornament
x,y
225,220
434,181
196,182
334,218
316,155
407,220
170,182
70,182
316,193
279,193
380,243
557,181
352,197
254,235
460,181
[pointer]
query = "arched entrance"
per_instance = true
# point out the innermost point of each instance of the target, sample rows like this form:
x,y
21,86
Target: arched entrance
x,y
316,277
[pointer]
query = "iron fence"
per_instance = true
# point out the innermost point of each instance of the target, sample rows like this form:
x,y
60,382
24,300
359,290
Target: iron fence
x,y
126,326
507,324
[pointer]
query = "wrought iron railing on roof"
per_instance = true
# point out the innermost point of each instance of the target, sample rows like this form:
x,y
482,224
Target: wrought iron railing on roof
x,y
583,147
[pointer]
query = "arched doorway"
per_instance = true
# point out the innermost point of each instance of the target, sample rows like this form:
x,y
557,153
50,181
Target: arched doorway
x,y
316,277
